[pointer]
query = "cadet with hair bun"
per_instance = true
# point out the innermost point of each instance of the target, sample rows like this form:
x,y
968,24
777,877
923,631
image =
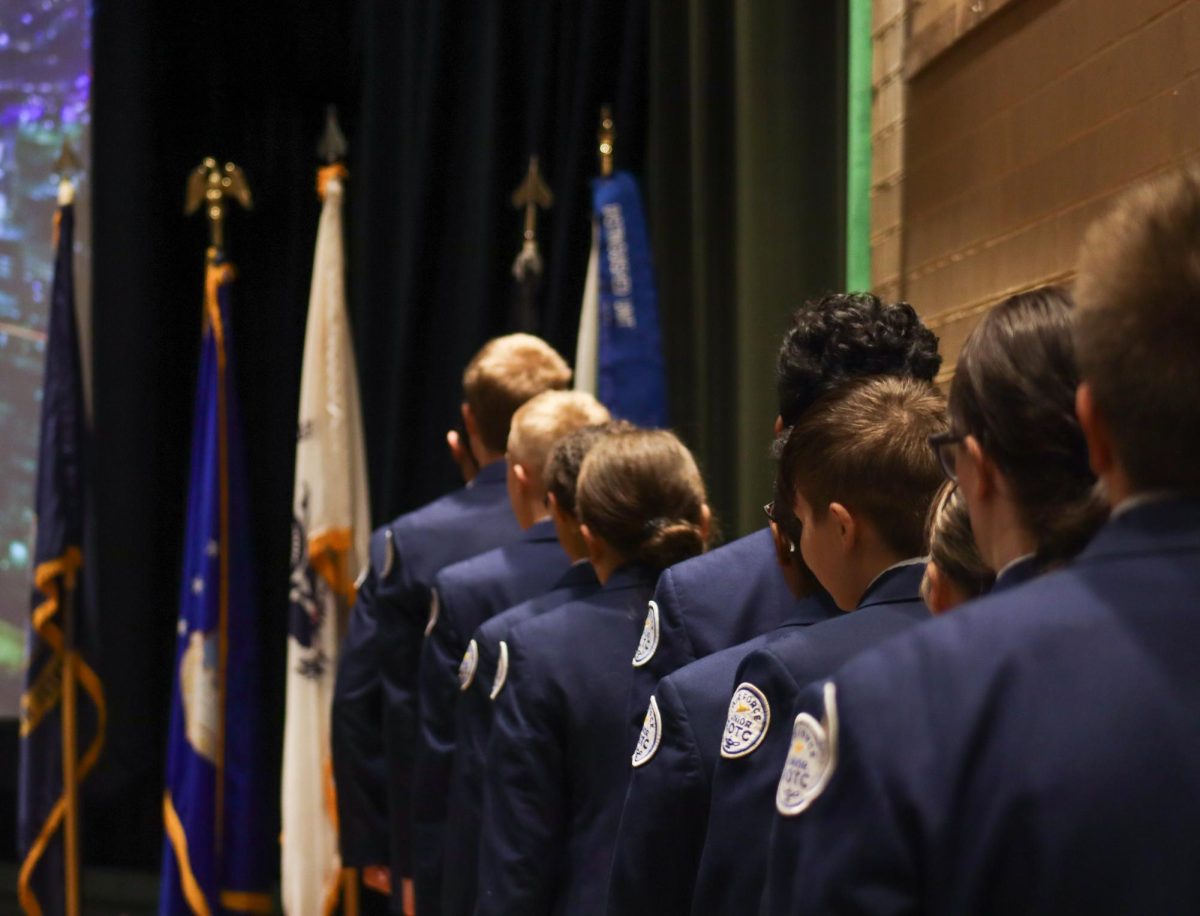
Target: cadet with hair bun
x,y
558,759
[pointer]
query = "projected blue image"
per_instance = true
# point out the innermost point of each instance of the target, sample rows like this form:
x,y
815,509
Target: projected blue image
x,y
45,63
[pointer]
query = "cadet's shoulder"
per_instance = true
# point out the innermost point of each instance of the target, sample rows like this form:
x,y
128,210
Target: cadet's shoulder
x,y
712,676
467,572
737,559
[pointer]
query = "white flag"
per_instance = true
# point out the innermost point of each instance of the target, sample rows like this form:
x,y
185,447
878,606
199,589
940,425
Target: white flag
x,y
587,346
330,534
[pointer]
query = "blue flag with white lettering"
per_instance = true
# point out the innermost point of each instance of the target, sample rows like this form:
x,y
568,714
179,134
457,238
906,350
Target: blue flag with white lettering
x,y
218,852
630,379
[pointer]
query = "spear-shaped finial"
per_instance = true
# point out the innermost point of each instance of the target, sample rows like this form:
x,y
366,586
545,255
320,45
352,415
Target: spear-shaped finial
x,y
607,135
211,185
531,194
332,146
66,167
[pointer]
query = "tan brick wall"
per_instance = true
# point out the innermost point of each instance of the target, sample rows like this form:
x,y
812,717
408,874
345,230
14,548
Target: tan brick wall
x,y
1018,132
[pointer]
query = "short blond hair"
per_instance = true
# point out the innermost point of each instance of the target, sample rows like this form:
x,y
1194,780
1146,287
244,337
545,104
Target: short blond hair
x,y
503,375
544,419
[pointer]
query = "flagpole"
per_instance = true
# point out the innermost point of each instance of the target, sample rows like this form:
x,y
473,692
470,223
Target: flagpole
x,y
212,186
69,750
607,136
64,165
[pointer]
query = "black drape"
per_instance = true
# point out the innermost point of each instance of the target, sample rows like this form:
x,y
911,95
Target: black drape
x,y
443,104
173,83
454,105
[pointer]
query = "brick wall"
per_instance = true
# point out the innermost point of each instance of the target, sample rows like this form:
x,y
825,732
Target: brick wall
x,y
1021,121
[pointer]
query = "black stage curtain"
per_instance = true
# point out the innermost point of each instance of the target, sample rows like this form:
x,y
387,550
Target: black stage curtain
x,y
443,104
454,105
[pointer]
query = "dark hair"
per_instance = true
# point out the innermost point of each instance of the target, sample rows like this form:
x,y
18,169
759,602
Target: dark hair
x,y
1137,326
952,546
561,473
866,446
640,490
846,336
1014,391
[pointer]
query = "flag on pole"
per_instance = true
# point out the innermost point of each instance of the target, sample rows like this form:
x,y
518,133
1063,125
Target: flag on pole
x,y
330,533
217,848
57,637
619,349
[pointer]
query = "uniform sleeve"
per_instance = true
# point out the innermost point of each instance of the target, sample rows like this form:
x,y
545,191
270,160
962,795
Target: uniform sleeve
x,y
473,715
662,823
742,801
403,610
437,694
818,860
672,649
357,737
523,835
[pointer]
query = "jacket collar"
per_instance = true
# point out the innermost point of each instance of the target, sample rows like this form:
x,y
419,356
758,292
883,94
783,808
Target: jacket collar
x,y
901,582
1156,526
577,574
540,531
1020,570
632,575
490,474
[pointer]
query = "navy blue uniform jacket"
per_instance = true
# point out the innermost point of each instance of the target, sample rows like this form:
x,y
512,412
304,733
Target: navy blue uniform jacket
x,y
666,806
710,602
474,725
742,806
1035,752
558,759
468,593
374,704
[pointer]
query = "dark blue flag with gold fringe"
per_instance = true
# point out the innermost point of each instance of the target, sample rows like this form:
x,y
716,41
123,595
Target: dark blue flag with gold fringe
x,y
218,851
62,708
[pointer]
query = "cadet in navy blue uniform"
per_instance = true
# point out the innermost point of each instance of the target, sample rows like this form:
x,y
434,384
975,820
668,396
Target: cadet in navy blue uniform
x,y
374,708
736,592
864,540
474,710
665,815
470,592
1021,460
558,755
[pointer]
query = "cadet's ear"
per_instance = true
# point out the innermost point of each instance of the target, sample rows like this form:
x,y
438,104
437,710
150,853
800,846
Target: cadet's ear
x,y
847,528
521,474
706,521
778,424
1095,431
980,475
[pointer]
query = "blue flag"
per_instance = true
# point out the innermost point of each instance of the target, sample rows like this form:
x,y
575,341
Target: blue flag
x,y
628,362
57,626
217,849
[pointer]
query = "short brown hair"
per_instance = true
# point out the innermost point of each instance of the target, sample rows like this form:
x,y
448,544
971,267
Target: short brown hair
x,y
641,492
544,419
561,473
1137,327
952,547
866,446
503,375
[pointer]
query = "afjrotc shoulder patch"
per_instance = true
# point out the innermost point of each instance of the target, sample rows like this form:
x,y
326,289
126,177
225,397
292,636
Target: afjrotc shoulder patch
x,y
466,668
501,672
648,644
811,759
747,722
650,737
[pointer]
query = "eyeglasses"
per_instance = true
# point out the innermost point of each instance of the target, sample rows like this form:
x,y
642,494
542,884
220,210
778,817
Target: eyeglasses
x,y
947,457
